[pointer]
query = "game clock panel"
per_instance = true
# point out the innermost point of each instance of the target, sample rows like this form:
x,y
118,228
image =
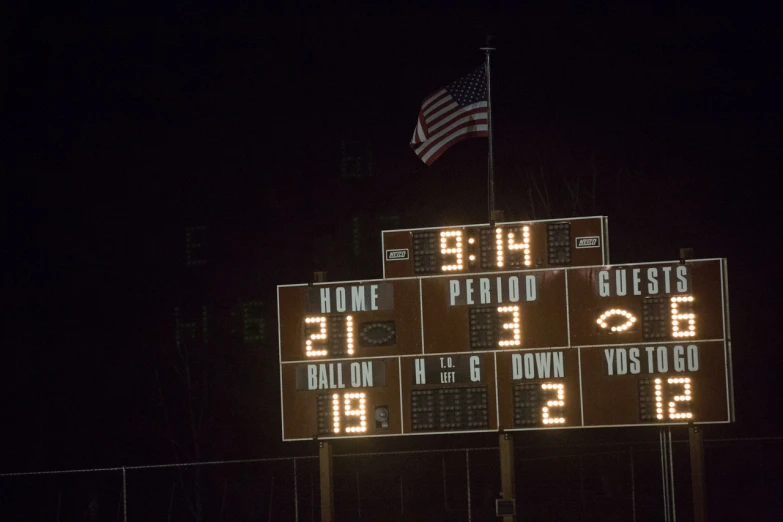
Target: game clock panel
x,y
506,246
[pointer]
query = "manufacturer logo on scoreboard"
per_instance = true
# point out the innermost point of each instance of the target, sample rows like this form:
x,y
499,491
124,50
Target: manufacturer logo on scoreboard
x,y
588,242
397,254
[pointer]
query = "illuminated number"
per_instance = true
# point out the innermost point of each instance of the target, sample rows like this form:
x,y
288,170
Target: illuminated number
x,y
678,317
499,244
360,412
510,242
516,339
453,250
316,339
353,408
658,399
523,246
547,414
349,335
539,403
336,411
317,336
677,402
629,320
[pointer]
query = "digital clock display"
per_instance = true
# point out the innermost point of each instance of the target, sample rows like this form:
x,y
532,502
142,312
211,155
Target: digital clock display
x,y
504,246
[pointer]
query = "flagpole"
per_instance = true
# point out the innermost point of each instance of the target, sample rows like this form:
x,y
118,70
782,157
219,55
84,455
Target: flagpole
x,y
490,155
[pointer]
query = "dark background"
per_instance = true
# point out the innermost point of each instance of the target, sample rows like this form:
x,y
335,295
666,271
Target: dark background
x,y
284,134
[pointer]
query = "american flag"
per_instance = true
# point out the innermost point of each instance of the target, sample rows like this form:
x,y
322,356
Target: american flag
x,y
450,115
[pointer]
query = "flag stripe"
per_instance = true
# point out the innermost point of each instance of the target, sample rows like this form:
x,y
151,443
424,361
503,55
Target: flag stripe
x,y
463,120
444,133
418,134
434,101
480,131
476,108
448,109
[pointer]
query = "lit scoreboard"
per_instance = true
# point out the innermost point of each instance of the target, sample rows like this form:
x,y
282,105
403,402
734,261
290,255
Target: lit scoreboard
x,y
547,348
505,246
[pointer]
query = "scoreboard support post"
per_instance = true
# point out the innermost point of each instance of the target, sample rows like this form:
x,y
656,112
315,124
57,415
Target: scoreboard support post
x,y
698,486
507,479
667,474
327,480
326,463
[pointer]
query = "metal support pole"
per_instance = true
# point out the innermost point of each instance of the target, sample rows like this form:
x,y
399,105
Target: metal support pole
x,y
358,497
402,498
507,479
671,475
171,503
271,499
124,496
296,495
443,471
582,485
664,474
467,476
327,481
490,153
698,486
223,497
667,474
326,463
633,487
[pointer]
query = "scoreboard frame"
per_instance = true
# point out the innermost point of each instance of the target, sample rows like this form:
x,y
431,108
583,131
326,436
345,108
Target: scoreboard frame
x,y
401,370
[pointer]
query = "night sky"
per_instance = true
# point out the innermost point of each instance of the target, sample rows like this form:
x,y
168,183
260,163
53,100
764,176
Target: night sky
x,y
125,125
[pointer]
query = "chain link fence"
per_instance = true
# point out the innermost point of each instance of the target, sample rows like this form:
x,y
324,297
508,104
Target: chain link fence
x,y
559,483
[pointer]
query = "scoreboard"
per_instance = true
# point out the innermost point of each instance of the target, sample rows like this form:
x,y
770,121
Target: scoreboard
x,y
477,348
505,246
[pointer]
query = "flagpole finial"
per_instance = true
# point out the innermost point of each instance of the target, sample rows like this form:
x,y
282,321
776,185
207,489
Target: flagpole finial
x,y
488,44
